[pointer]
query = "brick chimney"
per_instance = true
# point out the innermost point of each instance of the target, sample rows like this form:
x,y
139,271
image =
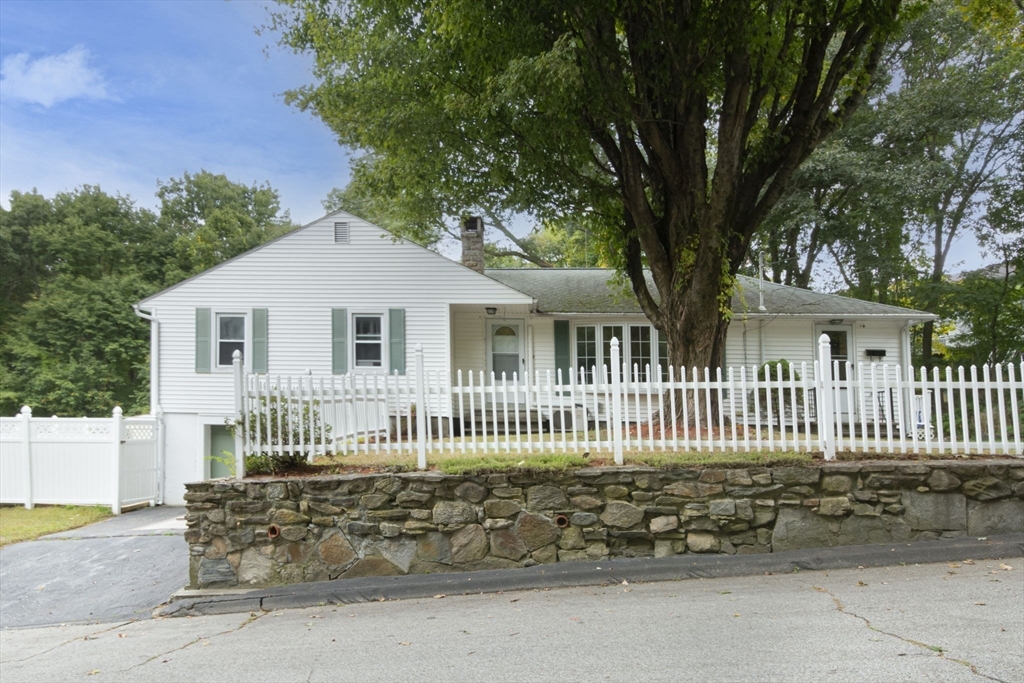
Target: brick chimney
x,y
473,243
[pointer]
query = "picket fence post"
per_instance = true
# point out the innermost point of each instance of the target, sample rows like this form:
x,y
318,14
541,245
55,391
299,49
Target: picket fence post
x,y
236,367
826,431
116,431
421,415
26,431
616,425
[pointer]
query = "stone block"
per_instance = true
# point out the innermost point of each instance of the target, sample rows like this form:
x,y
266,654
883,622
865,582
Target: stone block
x,y
621,515
583,519
702,542
507,492
597,550
544,497
494,524
286,517
752,491
572,556
453,512
935,511
665,523
664,548
712,476
800,527
361,528
546,555
995,517
255,568
738,477
336,551
535,530
788,476
508,544
434,546
987,488
293,533
216,573
834,507
693,489
474,493
762,517
372,566
586,502
616,492
836,483
374,501
412,498
941,480
572,539
502,508
722,508
867,510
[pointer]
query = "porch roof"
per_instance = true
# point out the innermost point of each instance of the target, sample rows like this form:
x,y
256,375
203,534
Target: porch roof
x,y
596,290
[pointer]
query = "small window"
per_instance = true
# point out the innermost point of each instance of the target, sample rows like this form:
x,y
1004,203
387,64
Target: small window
x,y
586,351
369,341
230,337
341,232
607,333
639,351
663,356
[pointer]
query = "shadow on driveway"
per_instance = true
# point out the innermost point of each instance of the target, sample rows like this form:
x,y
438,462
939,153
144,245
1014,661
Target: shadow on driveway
x,y
117,569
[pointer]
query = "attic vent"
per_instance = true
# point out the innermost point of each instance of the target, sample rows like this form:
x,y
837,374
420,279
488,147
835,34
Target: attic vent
x,y
341,232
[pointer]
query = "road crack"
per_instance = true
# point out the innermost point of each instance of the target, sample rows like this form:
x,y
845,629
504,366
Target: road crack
x,y
252,617
87,636
941,653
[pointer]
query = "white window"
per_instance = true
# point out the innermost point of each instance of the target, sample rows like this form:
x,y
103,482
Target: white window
x,y
368,340
230,337
636,351
586,352
639,351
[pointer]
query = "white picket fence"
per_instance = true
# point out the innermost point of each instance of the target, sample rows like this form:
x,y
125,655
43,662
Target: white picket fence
x,y
79,461
870,407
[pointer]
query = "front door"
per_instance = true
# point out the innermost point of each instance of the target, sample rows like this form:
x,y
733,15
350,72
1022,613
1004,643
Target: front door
x,y
840,342
506,350
222,452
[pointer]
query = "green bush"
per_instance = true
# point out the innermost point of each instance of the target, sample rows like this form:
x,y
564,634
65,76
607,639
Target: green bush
x,y
267,461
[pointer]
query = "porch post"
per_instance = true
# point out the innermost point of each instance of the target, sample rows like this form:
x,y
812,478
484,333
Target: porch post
x,y
240,421
26,433
421,415
826,432
616,425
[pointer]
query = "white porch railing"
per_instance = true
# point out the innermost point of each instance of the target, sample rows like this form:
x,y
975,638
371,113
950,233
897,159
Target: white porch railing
x,y
875,408
79,461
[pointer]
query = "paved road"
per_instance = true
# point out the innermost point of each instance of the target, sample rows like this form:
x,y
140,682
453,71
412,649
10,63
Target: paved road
x,y
120,568
937,622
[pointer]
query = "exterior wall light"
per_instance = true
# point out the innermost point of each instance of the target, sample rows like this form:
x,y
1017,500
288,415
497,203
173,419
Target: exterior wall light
x,y
491,310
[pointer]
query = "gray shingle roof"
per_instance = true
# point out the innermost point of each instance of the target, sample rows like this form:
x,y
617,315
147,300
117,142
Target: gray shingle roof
x,y
595,290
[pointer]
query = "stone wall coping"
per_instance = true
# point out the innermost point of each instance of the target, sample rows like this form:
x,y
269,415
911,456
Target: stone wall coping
x,y
837,466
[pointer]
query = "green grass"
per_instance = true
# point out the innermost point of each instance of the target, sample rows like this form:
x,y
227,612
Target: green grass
x,y
510,463
18,524
723,460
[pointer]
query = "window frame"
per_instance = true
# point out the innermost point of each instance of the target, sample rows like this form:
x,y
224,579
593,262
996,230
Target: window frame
x,y
600,325
384,341
246,340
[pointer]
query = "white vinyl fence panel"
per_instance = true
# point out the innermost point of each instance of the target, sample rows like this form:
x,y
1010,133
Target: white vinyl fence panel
x,y
79,461
862,408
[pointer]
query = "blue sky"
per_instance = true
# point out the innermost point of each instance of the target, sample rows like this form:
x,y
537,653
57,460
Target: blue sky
x,y
121,94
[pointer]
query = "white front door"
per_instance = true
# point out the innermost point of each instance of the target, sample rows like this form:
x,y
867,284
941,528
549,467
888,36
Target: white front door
x,y
840,339
505,349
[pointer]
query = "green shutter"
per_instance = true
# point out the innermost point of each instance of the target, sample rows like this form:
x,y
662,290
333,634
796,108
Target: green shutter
x,y
203,341
563,357
339,341
396,334
259,340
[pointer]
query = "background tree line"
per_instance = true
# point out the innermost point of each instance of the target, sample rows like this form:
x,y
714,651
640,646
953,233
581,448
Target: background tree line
x,y
71,267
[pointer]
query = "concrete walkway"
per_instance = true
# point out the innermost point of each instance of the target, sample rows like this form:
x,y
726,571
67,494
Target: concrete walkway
x,y
117,569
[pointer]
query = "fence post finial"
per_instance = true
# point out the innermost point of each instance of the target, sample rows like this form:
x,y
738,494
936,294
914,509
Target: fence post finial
x,y
421,408
25,410
240,409
616,422
826,432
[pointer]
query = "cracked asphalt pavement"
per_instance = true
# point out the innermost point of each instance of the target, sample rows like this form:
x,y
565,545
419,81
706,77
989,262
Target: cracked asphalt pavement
x,y
950,621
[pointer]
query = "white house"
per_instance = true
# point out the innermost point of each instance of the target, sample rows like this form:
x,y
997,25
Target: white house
x,y
341,295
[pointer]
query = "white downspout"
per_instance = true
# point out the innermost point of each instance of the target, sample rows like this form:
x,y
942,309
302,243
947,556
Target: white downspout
x,y
154,394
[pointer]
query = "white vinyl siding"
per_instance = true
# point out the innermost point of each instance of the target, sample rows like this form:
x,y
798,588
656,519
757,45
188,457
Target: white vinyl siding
x,y
299,279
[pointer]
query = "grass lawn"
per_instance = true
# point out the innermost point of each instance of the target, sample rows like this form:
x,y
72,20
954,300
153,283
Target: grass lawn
x,y
474,463
19,524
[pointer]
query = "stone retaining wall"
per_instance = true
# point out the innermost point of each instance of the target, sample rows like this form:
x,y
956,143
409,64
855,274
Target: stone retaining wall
x,y
263,532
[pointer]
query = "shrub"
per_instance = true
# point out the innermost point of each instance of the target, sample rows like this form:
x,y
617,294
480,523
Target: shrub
x,y
287,436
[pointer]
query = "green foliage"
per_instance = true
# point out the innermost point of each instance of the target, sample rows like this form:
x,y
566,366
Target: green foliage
x,y
72,266
289,428
719,460
511,463
668,129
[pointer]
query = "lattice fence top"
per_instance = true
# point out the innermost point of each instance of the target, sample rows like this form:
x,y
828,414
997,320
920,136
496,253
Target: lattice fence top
x,y
139,432
77,428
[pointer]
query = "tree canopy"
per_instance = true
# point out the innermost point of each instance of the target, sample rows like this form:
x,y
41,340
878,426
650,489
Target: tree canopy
x,y
72,266
671,128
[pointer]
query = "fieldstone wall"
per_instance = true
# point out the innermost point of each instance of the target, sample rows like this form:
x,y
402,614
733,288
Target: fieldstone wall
x,y
292,530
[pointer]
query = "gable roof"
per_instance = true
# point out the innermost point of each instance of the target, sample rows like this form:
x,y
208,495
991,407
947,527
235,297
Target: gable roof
x,y
595,290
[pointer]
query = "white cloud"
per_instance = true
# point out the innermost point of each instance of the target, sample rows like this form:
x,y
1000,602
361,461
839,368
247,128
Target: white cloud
x,y
51,79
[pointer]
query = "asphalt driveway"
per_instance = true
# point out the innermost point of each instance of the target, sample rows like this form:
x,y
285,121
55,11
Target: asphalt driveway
x,y
113,570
